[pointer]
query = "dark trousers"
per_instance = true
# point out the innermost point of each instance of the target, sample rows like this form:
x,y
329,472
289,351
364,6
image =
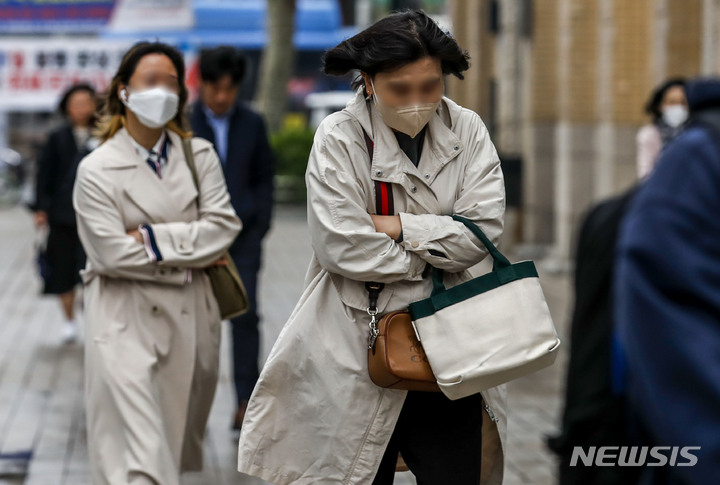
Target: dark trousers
x,y
440,440
246,339
62,261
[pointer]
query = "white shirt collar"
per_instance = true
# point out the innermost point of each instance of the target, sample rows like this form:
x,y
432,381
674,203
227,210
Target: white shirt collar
x,y
144,153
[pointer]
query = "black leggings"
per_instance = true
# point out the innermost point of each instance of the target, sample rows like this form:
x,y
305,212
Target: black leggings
x,y
439,439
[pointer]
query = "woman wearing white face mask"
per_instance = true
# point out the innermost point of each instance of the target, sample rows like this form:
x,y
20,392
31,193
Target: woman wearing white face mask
x,y
669,110
315,415
153,325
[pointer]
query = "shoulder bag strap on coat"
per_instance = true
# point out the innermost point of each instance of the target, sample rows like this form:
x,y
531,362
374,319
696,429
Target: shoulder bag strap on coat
x,y
384,201
384,205
190,160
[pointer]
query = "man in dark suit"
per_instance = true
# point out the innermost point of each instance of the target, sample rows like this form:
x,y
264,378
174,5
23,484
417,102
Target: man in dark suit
x,y
242,143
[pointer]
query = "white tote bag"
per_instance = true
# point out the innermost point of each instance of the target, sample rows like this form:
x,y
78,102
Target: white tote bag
x,y
488,330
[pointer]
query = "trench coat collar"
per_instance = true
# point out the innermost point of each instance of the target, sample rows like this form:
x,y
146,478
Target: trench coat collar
x,y
151,194
441,144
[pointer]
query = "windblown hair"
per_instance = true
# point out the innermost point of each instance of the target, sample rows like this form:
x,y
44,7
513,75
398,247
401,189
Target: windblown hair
x,y
393,42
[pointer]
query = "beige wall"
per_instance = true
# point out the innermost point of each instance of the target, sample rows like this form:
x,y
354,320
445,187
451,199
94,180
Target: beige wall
x,y
469,20
632,54
583,60
684,43
544,62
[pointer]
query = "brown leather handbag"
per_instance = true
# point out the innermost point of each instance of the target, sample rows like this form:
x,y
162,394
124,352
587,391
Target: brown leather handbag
x,y
396,358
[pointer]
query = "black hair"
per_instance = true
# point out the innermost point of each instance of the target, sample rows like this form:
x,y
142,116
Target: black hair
x,y
75,88
222,61
393,42
654,104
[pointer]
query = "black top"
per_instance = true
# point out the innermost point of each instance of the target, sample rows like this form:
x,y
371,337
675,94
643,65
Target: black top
x,y
413,149
411,146
57,166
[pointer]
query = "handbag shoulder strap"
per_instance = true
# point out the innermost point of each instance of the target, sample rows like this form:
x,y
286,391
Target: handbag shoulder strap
x,y
190,160
384,205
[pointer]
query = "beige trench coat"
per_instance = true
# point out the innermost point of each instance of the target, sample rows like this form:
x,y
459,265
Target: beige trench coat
x,y
152,346
315,417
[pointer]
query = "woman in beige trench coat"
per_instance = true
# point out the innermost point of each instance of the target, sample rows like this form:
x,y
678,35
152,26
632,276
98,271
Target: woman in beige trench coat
x,y
315,417
153,324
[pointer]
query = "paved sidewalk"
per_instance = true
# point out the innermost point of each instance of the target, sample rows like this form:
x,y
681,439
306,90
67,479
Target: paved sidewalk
x,y
42,427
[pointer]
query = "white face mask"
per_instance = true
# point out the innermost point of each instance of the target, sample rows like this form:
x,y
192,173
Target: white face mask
x,y
405,119
675,115
153,107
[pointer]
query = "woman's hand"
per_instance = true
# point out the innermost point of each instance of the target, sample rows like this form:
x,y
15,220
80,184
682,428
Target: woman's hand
x,y
139,238
41,219
220,262
389,225
137,235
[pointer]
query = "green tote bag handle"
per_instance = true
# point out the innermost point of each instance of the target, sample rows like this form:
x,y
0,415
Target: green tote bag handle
x,y
499,260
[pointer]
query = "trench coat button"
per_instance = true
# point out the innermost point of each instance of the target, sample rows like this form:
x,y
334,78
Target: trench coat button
x,y
155,310
427,175
413,189
378,173
415,244
456,148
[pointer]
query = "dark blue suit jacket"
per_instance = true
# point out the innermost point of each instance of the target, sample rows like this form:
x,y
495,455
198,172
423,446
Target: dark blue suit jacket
x,y
249,173
667,294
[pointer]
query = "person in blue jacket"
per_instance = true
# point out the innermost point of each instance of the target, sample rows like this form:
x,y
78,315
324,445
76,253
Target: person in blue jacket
x,y
241,140
667,294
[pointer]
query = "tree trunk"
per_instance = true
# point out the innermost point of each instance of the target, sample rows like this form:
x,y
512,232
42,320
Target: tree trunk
x,y
277,63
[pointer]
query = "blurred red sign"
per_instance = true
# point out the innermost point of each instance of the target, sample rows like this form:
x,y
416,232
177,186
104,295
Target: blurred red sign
x,y
33,73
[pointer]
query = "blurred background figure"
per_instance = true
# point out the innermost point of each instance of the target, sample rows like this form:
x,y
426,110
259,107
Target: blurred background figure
x,y
242,143
667,297
668,109
57,167
594,413
12,175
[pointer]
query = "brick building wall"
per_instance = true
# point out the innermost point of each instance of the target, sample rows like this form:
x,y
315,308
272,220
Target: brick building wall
x,y
587,68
